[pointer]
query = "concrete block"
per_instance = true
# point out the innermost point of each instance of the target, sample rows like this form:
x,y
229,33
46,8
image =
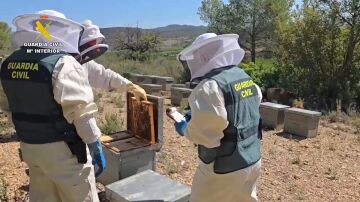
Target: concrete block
x,y
273,115
301,122
165,82
178,94
149,79
136,78
178,85
152,89
147,186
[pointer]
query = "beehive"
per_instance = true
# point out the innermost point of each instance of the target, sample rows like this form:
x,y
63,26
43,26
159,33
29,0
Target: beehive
x,y
133,150
179,95
153,89
273,115
165,82
178,85
301,122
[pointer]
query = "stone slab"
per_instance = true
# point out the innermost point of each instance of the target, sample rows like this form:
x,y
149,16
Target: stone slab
x,y
147,186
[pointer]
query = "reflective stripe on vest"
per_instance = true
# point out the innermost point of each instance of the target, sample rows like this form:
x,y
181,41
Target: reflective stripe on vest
x,y
240,146
27,83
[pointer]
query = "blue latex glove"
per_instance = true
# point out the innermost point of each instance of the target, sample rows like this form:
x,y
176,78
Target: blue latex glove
x,y
188,115
97,157
181,127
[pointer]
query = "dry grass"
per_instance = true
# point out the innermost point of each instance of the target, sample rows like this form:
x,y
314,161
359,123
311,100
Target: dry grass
x,y
161,66
3,189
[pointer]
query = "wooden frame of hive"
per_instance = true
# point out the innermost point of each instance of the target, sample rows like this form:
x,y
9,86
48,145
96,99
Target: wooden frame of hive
x,y
144,126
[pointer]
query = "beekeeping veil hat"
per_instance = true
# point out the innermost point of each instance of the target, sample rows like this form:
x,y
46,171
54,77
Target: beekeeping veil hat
x,y
48,26
92,42
210,51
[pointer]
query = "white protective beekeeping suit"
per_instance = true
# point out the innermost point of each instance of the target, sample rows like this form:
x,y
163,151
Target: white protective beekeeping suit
x,y
92,46
208,106
55,174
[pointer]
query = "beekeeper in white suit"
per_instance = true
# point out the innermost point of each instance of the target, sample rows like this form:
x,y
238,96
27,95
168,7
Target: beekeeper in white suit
x,y
92,45
223,121
51,103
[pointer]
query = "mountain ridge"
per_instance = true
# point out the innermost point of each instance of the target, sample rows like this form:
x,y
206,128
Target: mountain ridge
x,y
169,32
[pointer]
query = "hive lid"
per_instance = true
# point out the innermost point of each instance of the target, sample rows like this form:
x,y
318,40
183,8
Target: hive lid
x,y
152,85
182,89
147,186
303,112
273,105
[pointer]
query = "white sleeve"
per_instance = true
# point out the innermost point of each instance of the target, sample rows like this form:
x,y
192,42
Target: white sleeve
x,y
260,96
209,116
73,92
87,128
106,79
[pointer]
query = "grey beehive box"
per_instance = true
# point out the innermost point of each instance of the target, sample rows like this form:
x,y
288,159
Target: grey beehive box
x,y
123,164
178,85
153,89
165,82
179,94
272,115
147,186
301,122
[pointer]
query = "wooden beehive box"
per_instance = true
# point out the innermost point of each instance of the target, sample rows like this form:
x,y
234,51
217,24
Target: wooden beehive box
x,y
144,126
133,150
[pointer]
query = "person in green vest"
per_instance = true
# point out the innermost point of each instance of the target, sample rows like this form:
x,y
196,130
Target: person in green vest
x,y
223,121
47,94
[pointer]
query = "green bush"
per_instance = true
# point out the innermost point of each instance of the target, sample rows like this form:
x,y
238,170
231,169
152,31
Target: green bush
x,y
263,72
111,124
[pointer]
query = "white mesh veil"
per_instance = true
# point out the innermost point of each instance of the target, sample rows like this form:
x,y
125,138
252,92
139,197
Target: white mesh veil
x,y
60,29
208,53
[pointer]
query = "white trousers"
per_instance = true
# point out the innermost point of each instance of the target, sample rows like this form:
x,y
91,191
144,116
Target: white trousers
x,y
56,176
238,186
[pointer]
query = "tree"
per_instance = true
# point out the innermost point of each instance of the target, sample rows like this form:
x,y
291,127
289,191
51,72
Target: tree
x,y
136,44
5,32
318,52
253,20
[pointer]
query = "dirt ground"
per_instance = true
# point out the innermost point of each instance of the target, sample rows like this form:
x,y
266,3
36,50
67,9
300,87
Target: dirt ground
x,y
324,168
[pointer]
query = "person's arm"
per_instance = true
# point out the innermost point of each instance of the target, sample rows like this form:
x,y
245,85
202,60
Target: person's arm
x,y
106,79
73,92
209,116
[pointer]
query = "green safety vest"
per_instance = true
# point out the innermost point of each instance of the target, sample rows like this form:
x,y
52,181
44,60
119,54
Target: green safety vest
x,y
240,146
27,83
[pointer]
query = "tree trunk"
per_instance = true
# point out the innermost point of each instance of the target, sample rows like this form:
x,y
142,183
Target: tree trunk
x,y
253,37
253,49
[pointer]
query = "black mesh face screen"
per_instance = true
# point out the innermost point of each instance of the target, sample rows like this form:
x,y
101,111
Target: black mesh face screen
x,y
186,69
93,54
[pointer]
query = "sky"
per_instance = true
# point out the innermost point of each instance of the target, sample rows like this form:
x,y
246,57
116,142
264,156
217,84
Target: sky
x,y
112,13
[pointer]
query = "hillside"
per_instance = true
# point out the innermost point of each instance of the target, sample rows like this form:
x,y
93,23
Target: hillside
x,y
167,33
